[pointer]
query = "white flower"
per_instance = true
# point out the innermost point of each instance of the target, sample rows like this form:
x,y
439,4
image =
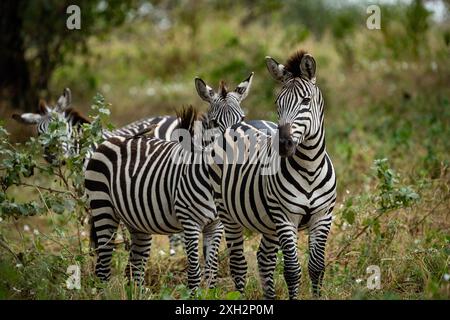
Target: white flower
x,y
26,228
446,277
36,232
83,233
347,191
1,219
19,265
345,226
162,253
359,280
94,291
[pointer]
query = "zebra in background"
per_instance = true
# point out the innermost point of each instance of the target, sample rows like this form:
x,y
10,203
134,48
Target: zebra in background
x,y
62,111
300,194
74,120
140,181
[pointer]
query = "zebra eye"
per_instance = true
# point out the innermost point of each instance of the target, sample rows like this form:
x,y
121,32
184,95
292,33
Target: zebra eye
x,y
306,101
243,118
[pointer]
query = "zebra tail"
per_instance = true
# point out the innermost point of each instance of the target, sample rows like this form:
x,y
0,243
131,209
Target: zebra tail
x,y
93,239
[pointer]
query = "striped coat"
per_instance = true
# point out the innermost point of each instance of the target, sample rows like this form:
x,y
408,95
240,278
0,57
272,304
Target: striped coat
x,y
278,183
140,181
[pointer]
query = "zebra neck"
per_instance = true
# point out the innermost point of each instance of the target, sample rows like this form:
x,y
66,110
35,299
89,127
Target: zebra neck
x,y
310,154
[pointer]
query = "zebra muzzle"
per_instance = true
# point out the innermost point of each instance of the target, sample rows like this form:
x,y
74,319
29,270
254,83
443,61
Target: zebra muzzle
x,y
286,144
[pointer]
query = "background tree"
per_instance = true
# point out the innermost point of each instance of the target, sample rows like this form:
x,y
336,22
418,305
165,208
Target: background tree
x,y
35,40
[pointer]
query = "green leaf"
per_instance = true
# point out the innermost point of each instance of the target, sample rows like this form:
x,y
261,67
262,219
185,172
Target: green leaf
x,y
233,295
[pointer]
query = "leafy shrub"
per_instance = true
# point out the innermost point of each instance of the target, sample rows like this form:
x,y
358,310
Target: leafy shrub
x,y
20,162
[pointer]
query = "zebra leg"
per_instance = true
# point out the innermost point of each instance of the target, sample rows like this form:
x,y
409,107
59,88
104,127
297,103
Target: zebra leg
x,y
139,253
287,237
191,242
318,233
267,259
212,235
104,227
234,235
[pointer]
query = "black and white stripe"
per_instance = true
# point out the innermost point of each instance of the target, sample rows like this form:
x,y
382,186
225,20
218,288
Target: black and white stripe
x,y
298,192
163,126
141,182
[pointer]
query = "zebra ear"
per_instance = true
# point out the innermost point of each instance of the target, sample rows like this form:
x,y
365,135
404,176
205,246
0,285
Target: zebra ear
x,y
308,67
43,108
244,87
64,100
277,70
27,118
204,91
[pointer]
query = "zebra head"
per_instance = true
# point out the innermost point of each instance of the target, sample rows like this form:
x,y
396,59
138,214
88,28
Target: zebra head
x,y
299,101
46,115
224,106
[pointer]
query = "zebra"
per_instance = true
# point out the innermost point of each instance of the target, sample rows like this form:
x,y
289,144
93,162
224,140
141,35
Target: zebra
x,y
138,181
62,111
73,121
300,194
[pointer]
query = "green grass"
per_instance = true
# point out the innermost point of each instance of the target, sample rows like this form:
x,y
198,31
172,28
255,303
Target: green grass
x,y
411,248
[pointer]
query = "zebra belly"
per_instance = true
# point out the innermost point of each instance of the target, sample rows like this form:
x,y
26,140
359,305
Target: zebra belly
x,y
147,223
257,221
148,211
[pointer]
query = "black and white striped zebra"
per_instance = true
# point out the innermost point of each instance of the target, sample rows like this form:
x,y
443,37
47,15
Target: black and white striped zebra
x,y
141,182
285,184
73,120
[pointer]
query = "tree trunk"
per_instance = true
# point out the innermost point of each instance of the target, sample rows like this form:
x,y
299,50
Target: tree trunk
x,y
15,80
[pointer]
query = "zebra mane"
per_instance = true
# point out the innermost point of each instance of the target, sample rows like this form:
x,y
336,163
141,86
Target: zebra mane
x,y
187,117
293,63
223,90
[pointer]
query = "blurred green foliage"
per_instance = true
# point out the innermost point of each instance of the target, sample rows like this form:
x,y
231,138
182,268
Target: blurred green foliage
x,y
18,162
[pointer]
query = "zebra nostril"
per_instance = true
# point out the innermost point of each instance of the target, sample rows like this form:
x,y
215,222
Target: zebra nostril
x,y
287,146
290,143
